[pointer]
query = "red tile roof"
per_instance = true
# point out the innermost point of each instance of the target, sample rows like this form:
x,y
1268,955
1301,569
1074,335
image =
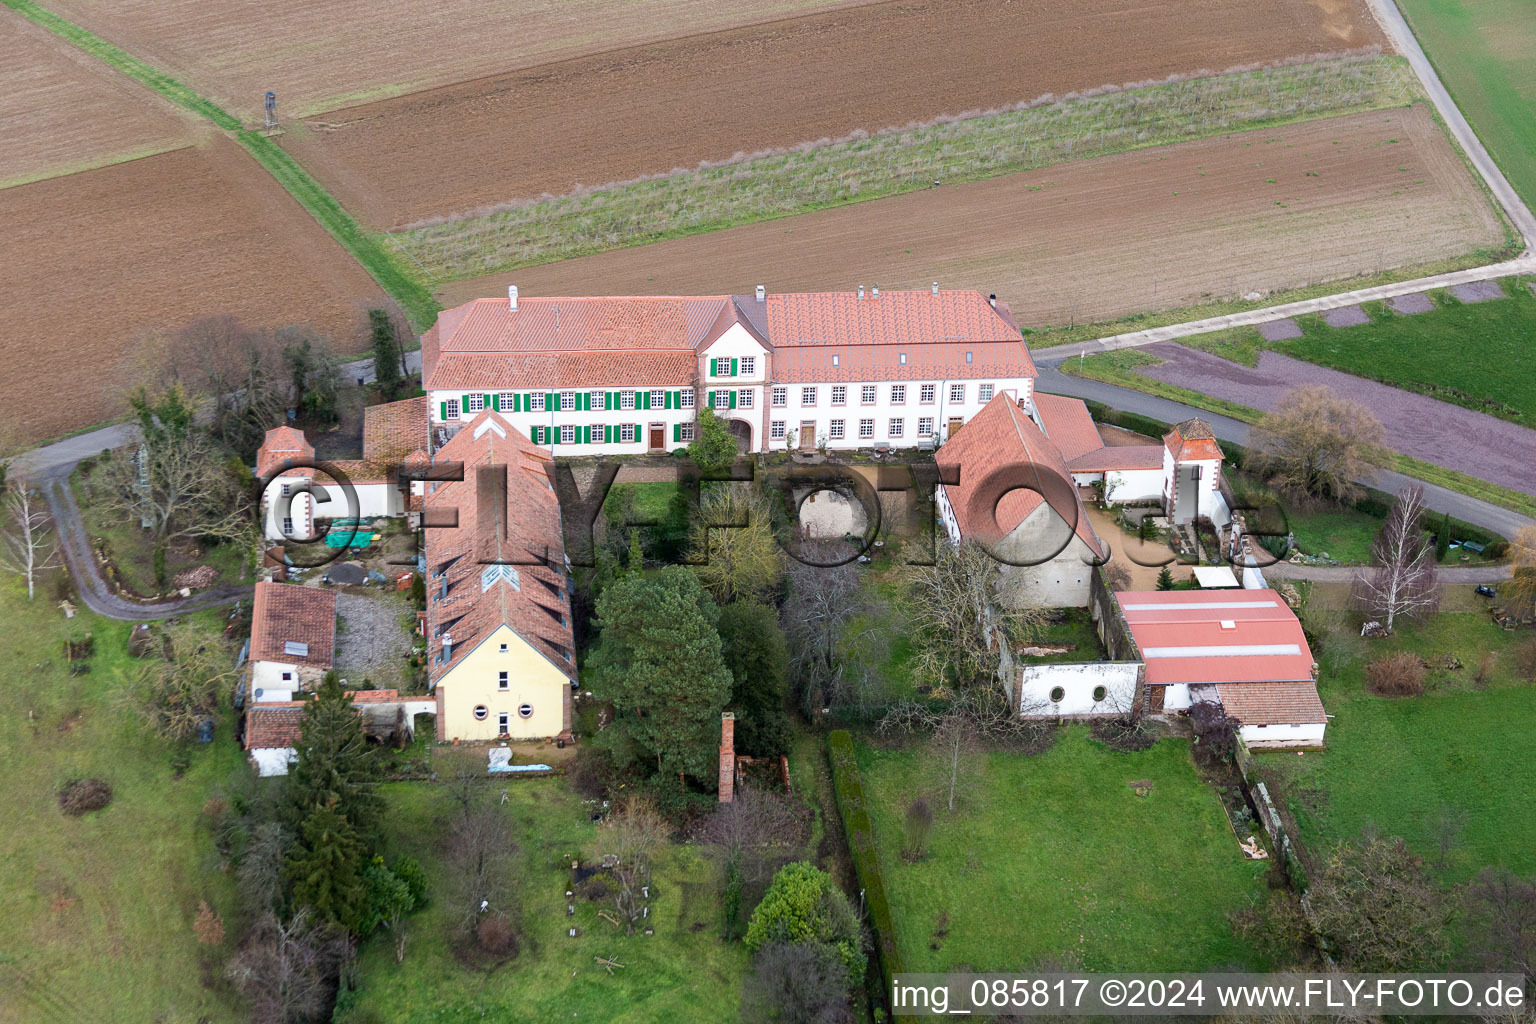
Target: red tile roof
x,y
283,444
1225,636
1192,440
395,429
895,318
277,724
1068,424
462,559
284,612
605,369
1001,438
1119,457
1273,703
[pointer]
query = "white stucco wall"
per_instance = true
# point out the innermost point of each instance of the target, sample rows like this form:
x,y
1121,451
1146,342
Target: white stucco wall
x,y
823,412
272,761
1260,737
326,501
640,418
267,676
1133,484
1176,697
1078,681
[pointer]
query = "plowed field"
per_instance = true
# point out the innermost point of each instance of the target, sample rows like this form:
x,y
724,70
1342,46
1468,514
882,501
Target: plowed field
x,y
62,111
97,260
644,110
323,55
1098,239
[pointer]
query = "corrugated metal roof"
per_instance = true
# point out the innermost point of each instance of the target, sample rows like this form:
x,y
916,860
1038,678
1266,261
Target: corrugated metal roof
x,y
1193,636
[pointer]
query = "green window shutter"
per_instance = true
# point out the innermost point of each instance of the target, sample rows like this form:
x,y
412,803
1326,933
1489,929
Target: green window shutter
x,y
586,435
733,399
552,402
533,435
490,402
645,400
714,367
443,410
463,405
733,366
519,403
613,399
677,431
586,401
667,399
677,399
496,402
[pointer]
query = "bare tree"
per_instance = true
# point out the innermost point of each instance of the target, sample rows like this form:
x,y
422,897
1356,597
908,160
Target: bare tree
x,y
1447,825
259,877
956,757
1378,909
480,851
1519,592
288,968
734,538
181,486
30,546
175,695
1405,580
1318,444
803,982
632,834
958,623
1502,921
821,603
238,368
757,832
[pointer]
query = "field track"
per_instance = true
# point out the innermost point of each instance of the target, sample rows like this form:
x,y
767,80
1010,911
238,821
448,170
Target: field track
x,y
650,108
321,56
99,259
1103,238
63,111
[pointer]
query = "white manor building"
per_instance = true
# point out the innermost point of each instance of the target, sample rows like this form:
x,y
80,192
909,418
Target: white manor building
x,y
627,375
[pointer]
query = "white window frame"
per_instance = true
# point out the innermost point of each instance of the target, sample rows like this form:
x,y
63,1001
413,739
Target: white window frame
x,y
481,712
744,398
287,489
835,429
776,430
567,434
503,648
957,394
628,432
567,401
780,397
720,399
451,409
984,392
525,710
867,394
898,394
896,428
839,394
685,431
626,399
808,396
503,681
658,398
926,393
925,426
866,429
503,723
504,401
287,526
474,403
748,366
685,398
599,400
536,402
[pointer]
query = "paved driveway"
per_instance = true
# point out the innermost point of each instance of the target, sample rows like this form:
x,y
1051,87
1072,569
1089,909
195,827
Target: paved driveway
x,y
1446,435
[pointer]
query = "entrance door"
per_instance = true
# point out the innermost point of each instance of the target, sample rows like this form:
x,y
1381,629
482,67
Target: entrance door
x,y
955,422
807,435
658,436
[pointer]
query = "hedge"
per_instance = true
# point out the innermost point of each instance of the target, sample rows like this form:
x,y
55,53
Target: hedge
x,y
861,843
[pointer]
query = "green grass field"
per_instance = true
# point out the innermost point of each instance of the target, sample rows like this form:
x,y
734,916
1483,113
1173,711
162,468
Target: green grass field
x,y
1472,355
1392,762
1058,855
684,973
1482,50
99,909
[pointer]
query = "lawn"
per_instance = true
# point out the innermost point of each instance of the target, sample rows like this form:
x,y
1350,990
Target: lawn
x,y
1482,51
683,973
1393,762
99,909
1058,855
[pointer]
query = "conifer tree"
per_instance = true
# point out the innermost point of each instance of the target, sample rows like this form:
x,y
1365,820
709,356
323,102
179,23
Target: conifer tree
x,y
335,767
1165,579
325,869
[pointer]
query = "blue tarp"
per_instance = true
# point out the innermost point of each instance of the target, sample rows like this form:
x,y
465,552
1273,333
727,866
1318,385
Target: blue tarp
x,y
504,768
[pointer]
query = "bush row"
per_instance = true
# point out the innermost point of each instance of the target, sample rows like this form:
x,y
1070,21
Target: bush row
x,y
861,842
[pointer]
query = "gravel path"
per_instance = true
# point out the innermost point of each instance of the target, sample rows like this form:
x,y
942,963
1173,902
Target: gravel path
x,y
1446,435
371,639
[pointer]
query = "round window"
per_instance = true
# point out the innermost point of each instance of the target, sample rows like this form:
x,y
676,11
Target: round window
x,y
526,710
1099,693
480,712
1057,693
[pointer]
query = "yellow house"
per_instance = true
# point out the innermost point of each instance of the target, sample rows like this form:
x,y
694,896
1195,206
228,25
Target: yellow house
x,y
500,653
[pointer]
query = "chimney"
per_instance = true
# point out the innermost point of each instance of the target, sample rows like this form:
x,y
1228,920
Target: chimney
x,y
876,292
992,300
861,291
727,757
447,646
935,289
512,297
762,293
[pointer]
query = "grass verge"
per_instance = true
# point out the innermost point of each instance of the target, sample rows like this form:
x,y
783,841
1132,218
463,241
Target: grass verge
x,y
413,297
1119,368
1056,855
764,186
1392,762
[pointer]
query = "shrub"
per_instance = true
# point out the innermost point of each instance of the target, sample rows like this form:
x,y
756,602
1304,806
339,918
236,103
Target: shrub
x,y
1525,660
919,825
77,798
415,878
1126,733
208,927
494,935
1396,675
804,905
1215,732
592,771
